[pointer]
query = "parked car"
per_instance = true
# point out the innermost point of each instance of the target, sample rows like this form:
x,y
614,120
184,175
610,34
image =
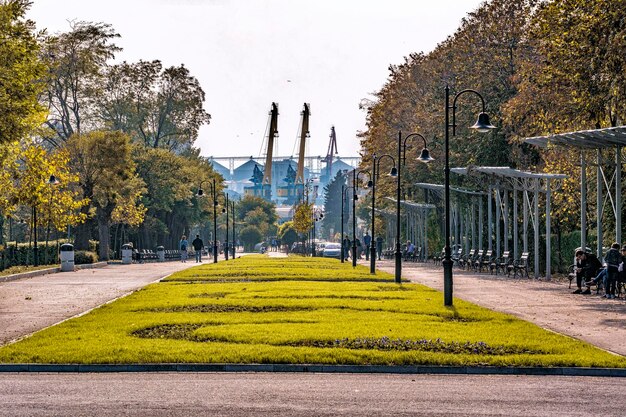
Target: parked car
x,y
332,250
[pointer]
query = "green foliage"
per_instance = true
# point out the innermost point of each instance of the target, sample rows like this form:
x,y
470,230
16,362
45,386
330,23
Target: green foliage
x,y
159,108
250,235
303,218
85,257
332,205
287,233
300,322
20,71
257,212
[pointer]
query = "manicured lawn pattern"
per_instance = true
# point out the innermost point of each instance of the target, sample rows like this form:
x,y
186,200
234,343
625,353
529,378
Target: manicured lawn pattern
x,y
327,321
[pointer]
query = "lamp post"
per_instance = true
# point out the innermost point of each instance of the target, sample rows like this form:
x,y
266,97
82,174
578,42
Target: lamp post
x,y
225,210
234,238
372,184
214,195
482,125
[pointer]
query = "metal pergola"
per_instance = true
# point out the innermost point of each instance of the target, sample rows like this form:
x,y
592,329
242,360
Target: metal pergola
x,y
466,216
503,182
415,217
603,141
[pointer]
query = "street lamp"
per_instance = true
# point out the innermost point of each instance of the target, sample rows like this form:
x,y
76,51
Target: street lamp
x,y
53,182
372,184
234,236
200,194
225,210
401,160
482,125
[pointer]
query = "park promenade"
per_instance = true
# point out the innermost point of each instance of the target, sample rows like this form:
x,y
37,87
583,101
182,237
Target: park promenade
x,y
549,304
31,304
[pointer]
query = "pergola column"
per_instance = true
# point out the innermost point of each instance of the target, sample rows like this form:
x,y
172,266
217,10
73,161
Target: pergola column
x,y
583,201
599,205
490,219
515,223
506,220
480,222
618,194
536,228
548,235
498,213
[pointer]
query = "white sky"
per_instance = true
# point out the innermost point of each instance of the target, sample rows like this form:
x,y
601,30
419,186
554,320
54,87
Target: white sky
x,y
248,53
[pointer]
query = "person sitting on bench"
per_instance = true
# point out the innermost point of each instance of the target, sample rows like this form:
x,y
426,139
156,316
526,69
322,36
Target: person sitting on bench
x,y
587,266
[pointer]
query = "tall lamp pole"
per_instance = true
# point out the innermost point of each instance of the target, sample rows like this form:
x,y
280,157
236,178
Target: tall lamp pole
x,y
482,125
234,238
214,195
372,183
225,210
343,197
355,177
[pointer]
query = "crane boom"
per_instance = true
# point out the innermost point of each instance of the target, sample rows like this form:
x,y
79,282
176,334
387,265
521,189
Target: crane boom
x,y
332,150
273,132
304,132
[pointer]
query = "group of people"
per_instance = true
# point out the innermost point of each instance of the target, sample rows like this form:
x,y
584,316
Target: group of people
x,y
364,247
198,246
591,272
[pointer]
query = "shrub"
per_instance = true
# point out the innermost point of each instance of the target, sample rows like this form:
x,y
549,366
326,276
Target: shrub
x,y
85,257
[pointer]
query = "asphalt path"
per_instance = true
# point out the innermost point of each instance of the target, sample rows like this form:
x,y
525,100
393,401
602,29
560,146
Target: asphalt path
x,y
260,394
31,304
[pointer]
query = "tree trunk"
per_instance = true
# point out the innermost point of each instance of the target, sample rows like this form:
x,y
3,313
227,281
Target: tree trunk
x,y
104,232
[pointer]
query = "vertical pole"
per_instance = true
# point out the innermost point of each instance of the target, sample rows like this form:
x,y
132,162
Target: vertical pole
x,y
473,221
515,222
498,214
447,261
35,249
425,257
618,194
343,197
234,238
507,233
536,207
214,222
548,235
490,219
583,201
480,222
373,241
354,188
599,205
526,203
398,276
227,247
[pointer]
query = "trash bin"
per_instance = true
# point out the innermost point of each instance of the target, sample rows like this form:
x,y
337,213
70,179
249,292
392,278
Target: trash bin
x,y
161,253
127,254
67,257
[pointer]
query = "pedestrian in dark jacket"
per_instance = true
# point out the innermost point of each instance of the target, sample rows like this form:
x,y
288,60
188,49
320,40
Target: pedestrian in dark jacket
x,y
198,245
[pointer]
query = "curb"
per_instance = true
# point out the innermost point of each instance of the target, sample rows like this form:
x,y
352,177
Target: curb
x,y
40,272
345,369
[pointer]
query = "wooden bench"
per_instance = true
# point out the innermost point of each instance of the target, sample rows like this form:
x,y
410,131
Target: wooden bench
x,y
486,260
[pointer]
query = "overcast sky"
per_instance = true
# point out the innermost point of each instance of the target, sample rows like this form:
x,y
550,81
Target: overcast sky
x,y
248,53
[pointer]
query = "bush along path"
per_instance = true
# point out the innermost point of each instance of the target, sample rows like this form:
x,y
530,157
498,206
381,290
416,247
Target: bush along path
x,y
261,310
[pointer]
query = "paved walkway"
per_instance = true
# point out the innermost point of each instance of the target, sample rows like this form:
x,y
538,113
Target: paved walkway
x,y
549,304
31,304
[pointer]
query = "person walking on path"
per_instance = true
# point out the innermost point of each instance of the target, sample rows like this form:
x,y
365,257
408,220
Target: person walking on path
x,y
198,244
367,240
182,247
379,246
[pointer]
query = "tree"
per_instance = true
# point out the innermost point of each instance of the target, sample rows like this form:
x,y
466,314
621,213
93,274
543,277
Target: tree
x,y
157,107
107,177
302,218
76,60
259,212
332,205
287,234
20,71
250,236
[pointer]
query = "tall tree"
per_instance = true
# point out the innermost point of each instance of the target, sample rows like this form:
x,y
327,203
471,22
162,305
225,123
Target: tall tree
x,y
20,72
161,108
107,177
76,61
332,205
